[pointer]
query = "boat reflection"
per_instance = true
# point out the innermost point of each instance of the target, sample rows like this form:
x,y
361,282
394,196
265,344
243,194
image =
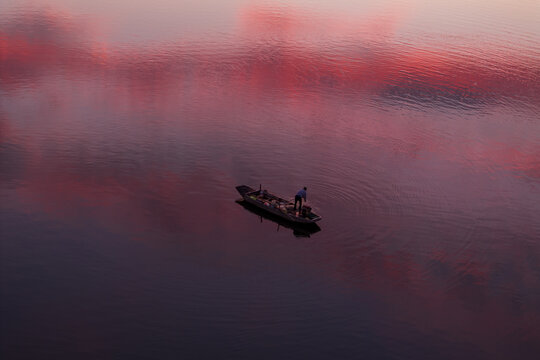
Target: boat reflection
x,y
299,230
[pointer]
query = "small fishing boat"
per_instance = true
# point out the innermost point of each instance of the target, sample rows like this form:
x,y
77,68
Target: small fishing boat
x,y
277,206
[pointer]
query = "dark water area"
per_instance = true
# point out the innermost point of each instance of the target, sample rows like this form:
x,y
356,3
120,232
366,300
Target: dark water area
x,y
125,127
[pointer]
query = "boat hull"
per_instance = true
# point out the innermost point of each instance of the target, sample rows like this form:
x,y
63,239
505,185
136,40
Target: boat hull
x,y
299,230
248,196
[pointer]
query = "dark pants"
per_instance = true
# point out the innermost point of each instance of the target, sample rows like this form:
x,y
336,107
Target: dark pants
x,y
298,199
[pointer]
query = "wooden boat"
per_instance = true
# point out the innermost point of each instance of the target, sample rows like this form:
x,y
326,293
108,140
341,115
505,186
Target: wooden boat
x,y
277,206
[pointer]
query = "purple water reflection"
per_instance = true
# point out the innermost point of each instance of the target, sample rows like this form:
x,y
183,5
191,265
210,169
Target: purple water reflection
x,y
420,148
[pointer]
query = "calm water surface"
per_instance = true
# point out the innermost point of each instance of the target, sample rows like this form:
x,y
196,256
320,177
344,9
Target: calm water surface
x,y
125,126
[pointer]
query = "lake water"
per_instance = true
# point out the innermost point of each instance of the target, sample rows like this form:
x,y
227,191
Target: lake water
x,y
125,127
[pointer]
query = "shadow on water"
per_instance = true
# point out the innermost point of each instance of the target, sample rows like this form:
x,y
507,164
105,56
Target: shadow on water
x,y
304,230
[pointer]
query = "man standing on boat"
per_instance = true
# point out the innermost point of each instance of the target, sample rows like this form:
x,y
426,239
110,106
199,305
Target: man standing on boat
x,y
298,198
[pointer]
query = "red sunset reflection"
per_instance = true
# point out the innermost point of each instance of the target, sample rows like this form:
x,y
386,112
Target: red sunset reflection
x,y
403,79
450,77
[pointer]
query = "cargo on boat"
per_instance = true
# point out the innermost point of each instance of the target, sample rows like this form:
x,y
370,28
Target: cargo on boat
x,y
298,230
277,206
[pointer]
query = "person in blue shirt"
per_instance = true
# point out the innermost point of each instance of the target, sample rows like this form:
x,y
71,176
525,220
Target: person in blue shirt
x,y
298,198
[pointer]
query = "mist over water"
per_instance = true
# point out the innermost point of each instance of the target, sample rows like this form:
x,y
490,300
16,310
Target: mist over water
x,y
125,127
